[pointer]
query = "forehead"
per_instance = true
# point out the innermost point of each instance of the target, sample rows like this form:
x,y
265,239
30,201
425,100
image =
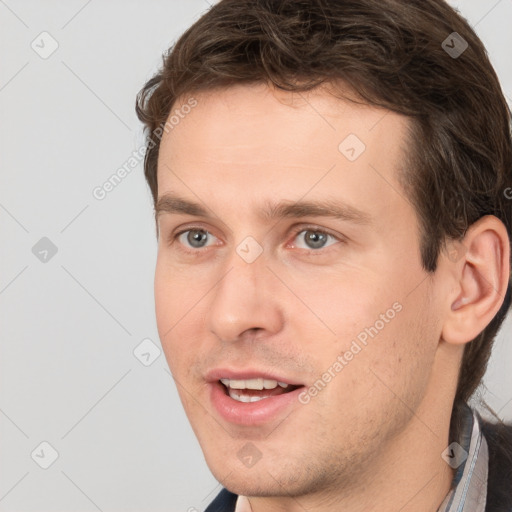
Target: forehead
x,y
250,141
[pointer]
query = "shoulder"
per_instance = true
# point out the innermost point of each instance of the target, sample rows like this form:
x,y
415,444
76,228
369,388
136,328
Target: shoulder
x,y
499,488
224,502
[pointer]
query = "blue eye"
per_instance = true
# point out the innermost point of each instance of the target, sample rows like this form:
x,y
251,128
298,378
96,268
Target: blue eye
x,y
195,238
314,239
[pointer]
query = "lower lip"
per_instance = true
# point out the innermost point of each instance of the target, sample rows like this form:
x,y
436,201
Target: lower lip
x,y
251,413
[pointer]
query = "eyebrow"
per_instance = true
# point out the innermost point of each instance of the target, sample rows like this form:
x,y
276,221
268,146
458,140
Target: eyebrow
x,y
172,204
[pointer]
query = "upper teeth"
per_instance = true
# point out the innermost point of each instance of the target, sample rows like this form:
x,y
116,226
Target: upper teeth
x,y
253,384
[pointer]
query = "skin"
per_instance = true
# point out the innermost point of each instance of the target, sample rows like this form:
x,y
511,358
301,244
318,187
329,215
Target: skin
x,y
372,438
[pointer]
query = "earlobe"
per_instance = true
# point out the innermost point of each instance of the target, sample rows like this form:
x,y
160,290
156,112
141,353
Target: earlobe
x,y
482,276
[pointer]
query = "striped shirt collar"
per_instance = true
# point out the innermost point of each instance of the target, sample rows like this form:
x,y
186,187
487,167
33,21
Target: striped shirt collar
x,y
470,458
469,486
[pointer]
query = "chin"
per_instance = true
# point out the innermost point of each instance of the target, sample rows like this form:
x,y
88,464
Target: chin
x,y
253,484
264,479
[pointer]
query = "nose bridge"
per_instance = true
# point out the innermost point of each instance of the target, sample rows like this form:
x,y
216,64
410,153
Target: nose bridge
x,y
244,298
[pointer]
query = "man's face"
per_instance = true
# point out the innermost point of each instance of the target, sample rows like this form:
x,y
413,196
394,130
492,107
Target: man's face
x,y
264,284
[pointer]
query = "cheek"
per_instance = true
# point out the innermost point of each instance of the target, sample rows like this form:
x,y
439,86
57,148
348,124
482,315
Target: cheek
x,y
381,385
165,304
401,355
174,311
341,307
384,343
176,293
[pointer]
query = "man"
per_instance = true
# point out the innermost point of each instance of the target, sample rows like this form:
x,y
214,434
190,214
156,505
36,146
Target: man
x,y
329,179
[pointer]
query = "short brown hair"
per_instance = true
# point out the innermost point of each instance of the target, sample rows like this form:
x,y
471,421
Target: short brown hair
x,y
393,53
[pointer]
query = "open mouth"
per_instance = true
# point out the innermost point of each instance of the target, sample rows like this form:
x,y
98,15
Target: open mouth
x,y
254,390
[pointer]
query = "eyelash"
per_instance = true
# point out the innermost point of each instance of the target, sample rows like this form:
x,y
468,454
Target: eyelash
x,y
174,237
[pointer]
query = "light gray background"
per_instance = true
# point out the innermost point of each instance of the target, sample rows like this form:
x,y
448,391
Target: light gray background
x,y
70,325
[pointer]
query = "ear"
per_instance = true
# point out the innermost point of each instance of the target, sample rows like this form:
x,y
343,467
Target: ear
x,y
481,271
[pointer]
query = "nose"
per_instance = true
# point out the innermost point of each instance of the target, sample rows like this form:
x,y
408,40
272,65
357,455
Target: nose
x,y
245,300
